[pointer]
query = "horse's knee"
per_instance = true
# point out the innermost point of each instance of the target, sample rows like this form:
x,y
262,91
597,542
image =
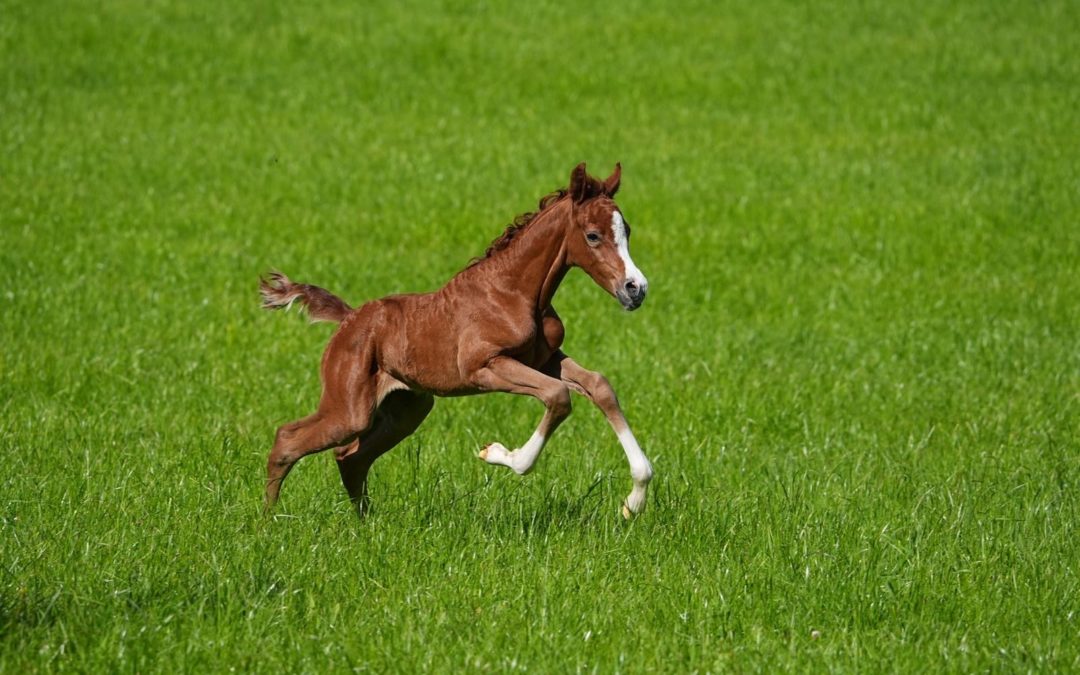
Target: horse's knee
x,y
280,458
287,433
558,401
283,435
309,435
279,453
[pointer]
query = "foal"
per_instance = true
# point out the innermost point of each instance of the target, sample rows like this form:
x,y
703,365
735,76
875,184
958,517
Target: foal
x,y
490,328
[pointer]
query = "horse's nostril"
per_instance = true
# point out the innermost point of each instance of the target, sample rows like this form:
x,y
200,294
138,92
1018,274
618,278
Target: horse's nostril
x,y
630,286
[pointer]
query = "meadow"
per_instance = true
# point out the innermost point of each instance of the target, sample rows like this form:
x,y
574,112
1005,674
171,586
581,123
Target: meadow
x,y
857,373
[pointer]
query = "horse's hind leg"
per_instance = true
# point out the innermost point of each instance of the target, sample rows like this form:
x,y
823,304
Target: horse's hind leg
x,y
298,439
346,409
397,417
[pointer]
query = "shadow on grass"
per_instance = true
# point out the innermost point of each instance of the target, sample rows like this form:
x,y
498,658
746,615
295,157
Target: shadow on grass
x,y
29,609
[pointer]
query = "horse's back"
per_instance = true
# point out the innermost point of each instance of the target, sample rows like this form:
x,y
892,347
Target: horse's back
x,y
430,341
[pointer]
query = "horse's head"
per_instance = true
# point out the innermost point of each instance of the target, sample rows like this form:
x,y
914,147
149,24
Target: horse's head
x,y
599,240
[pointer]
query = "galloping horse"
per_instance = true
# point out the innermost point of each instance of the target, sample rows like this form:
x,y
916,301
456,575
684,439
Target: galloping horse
x,y
490,328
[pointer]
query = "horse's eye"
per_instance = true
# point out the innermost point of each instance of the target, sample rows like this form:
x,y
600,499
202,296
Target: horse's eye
x,y
593,237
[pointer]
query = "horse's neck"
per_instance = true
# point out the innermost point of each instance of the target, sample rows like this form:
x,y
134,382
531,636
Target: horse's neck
x,y
534,264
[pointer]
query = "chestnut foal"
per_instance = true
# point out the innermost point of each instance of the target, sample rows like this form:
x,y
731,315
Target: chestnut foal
x,y
490,328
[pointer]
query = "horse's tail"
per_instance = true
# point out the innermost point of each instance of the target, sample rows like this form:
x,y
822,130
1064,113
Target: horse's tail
x,y
322,305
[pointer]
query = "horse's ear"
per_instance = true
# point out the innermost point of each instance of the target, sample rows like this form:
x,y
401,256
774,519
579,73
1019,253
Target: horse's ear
x,y
582,185
611,185
579,183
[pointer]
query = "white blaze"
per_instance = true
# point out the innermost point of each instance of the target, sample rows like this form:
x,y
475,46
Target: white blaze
x,y
622,245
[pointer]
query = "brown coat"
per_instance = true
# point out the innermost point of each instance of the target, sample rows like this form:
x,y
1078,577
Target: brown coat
x,y
490,328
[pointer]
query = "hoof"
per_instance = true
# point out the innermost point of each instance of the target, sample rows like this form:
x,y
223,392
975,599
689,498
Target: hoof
x,y
626,512
483,453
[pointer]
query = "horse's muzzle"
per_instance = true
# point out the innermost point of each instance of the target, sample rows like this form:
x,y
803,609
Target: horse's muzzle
x,y
632,294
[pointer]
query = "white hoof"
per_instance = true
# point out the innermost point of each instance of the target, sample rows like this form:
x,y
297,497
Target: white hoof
x,y
634,504
519,461
495,453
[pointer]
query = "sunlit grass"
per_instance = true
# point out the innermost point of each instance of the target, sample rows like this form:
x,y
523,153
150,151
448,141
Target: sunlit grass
x,y
857,371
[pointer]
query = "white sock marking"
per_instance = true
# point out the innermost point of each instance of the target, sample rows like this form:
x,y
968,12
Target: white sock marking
x,y
640,467
520,460
525,456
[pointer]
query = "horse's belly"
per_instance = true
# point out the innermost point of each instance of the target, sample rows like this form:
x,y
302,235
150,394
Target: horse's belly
x,y
432,369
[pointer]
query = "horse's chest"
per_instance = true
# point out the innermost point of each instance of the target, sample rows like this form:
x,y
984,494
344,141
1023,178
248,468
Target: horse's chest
x,y
551,328
544,340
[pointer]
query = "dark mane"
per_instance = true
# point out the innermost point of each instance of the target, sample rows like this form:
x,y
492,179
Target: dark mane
x,y
518,224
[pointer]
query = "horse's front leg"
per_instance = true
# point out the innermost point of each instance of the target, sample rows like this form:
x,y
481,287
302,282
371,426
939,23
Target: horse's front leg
x,y
596,387
506,374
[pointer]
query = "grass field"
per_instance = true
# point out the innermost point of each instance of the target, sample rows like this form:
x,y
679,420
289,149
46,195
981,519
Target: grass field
x,y
857,373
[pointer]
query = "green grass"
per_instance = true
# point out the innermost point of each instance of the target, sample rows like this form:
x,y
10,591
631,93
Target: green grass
x,y
857,372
